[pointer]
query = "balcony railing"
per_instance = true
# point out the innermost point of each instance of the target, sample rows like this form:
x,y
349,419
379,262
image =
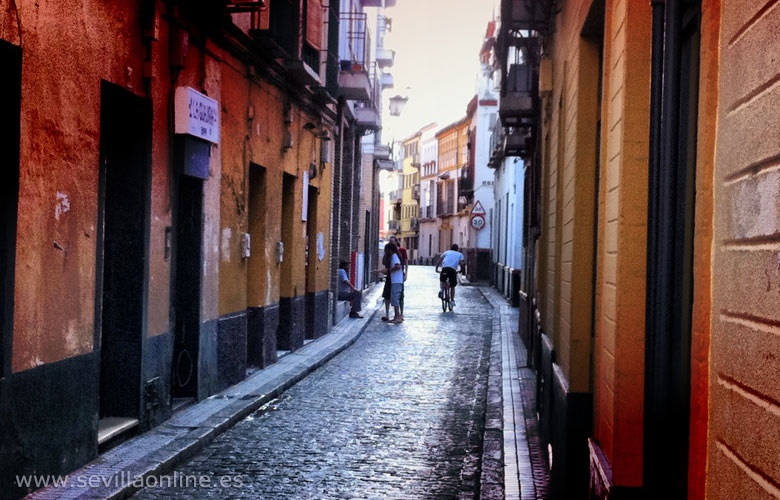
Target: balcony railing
x,y
414,224
416,192
394,225
354,78
396,195
516,104
465,181
427,212
276,27
382,152
353,54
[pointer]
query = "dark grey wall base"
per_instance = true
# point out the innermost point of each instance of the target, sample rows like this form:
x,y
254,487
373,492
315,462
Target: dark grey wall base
x,y
292,312
48,417
316,314
208,365
231,349
262,324
157,369
571,427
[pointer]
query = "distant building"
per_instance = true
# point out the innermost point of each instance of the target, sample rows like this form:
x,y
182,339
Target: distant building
x,y
429,232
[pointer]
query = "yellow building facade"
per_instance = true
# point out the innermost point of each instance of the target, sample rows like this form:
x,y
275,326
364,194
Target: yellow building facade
x,y
656,263
410,195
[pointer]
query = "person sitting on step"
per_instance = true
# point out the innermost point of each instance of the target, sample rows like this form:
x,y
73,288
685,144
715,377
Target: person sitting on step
x,y
347,291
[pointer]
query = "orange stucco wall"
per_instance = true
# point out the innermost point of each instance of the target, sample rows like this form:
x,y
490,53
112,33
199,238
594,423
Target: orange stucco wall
x,y
620,322
570,162
566,252
64,59
744,432
702,272
253,131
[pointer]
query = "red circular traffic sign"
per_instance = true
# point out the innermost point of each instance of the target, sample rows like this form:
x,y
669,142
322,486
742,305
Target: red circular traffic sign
x,y
477,221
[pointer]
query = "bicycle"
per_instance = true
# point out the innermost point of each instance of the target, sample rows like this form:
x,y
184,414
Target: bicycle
x,y
446,303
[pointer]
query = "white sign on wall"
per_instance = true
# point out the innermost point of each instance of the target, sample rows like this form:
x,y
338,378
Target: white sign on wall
x,y
305,207
196,114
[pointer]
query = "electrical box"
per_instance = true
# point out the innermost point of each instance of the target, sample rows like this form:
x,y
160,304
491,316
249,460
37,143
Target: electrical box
x,y
246,245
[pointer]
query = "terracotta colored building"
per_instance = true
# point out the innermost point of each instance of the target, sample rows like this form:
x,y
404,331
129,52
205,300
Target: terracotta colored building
x,y
171,174
650,309
452,150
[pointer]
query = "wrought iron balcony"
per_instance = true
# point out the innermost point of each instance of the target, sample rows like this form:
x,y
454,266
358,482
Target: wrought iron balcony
x,y
367,116
394,225
416,192
385,57
517,143
275,28
354,80
396,195
382,152
516,105
465,181
386,80
525,14
427,212
414,224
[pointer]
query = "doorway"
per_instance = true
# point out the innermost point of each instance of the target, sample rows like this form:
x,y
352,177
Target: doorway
x,y
257,267
187,289
123,201
671,196
311,265
10,108
287,324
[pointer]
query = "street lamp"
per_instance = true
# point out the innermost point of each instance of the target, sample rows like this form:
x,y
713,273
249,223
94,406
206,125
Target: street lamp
x,y
397,104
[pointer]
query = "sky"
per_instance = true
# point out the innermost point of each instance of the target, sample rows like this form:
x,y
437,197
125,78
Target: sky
x,y
436,45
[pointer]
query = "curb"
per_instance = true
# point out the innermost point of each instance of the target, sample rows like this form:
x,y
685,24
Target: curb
x,y
123,470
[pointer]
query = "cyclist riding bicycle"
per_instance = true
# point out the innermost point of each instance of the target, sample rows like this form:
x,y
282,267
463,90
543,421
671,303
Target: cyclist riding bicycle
x,y
449,262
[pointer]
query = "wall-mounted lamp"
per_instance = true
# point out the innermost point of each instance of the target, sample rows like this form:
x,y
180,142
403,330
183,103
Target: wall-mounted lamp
x,y
397,104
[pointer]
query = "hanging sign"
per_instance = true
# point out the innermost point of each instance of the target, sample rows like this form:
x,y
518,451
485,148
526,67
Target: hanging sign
x,y
196,114
478,209
477,221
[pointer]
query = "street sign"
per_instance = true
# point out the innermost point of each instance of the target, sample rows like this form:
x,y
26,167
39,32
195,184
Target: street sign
x,y
477,221
478,209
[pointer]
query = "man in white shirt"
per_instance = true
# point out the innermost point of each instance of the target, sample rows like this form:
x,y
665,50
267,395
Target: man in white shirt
x,y
449,262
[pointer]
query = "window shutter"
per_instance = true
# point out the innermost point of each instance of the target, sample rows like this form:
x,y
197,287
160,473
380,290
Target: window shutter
x,y
314,23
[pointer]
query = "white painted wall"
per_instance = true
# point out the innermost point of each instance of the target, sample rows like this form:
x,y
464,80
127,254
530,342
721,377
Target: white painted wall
x,y
507,238
484,117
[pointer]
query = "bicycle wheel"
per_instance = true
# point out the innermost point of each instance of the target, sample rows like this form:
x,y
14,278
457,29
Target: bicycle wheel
x,y
449,305
444,301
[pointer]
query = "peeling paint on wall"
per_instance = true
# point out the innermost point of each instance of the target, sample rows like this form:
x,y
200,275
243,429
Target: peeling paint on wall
x,y
226,233
62,205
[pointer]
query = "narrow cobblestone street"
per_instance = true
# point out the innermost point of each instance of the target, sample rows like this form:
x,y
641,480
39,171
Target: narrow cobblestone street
x,y
397,415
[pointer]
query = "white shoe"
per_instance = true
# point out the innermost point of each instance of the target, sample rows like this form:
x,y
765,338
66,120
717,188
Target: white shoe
x,y
452,303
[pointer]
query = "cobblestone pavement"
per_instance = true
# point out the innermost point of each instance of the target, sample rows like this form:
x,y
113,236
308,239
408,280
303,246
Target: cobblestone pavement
x,y
400,414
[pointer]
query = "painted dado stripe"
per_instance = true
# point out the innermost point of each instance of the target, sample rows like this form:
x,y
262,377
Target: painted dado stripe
x,y
765,482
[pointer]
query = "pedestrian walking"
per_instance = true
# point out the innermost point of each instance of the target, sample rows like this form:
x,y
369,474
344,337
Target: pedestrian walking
x,y
347,291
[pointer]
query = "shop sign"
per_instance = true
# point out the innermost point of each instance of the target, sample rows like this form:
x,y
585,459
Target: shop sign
x,y
196,114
